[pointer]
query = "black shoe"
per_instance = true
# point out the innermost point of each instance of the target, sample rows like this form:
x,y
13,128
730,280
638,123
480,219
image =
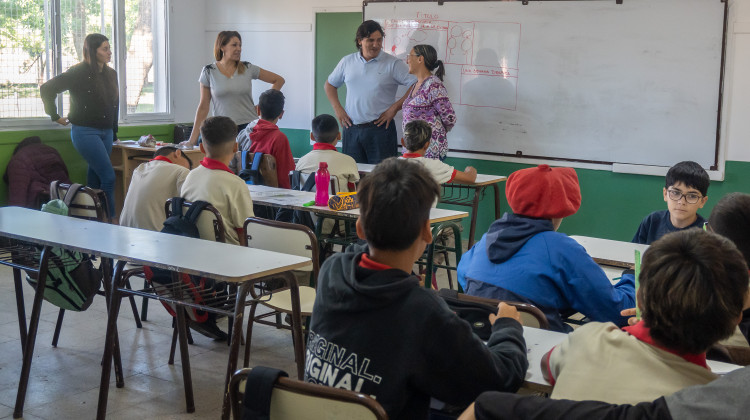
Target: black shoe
x,y
209,329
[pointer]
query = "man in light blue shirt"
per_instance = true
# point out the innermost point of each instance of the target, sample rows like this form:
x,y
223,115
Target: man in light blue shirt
x,y
372,78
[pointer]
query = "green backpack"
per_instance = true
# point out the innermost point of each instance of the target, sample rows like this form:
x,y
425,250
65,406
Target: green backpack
x,y
72,281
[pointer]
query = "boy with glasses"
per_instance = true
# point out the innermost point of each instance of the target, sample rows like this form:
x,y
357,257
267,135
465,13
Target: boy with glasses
x,y
685,192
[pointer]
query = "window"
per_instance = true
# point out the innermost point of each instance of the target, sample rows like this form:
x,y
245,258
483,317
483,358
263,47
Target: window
x,y
42,38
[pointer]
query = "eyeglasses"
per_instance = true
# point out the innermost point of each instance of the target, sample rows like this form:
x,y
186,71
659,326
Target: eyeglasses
x,y
676,195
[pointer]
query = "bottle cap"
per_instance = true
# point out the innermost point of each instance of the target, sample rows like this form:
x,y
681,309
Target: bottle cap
x,y
322,165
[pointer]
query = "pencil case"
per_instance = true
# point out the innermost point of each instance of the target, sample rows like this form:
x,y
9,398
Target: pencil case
x,y
343,201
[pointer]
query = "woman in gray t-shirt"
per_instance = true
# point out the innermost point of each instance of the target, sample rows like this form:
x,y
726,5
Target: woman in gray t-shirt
x,y
226,85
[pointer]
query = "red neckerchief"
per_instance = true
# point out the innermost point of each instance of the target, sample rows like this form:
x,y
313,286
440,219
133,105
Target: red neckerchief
x,y
411,155
641,332
162,158
323,146
369,264
215,164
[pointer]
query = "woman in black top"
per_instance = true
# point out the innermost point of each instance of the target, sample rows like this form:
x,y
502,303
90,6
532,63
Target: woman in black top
x,y
94,105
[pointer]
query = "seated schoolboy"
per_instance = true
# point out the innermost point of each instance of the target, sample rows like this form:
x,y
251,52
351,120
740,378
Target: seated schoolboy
x,y
692,291
152,184
685,192
376,331
267,138
730,218
724,398
417,135
214,182
523,258
325,132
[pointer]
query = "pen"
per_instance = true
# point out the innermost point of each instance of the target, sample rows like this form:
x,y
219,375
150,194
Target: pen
x,y
309,203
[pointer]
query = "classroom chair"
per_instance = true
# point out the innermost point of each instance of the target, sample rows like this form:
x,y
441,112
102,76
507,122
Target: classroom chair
x,y
294,399
287,238
531,316
88,204
343,232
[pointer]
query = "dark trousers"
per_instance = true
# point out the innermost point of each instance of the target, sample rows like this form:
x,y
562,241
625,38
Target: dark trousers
x,y
368,143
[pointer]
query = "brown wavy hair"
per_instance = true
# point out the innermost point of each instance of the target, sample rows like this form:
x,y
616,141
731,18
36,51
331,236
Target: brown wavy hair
x,y
223,39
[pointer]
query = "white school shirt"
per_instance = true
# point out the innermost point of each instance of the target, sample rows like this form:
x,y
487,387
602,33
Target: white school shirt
x,y
151,185
225,191
340,165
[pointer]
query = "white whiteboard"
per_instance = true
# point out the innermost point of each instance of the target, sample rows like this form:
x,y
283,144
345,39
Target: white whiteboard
x,y
633,83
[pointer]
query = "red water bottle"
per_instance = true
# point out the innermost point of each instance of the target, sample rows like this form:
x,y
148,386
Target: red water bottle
x,y
322,182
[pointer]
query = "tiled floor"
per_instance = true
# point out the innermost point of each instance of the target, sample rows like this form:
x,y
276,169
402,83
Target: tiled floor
x,y
64,382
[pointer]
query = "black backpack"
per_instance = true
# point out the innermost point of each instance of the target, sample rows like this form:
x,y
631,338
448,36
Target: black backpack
x,y
196,289
72,281
475,313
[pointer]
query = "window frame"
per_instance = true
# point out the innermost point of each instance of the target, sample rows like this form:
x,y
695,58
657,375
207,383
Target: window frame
x,y
119,56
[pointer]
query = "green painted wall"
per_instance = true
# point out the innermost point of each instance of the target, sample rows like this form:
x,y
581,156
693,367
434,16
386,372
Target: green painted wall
x,y
60,140
612,206
330,46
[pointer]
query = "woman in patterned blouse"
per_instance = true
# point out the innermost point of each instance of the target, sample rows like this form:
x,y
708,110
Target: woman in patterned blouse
x,y
428,100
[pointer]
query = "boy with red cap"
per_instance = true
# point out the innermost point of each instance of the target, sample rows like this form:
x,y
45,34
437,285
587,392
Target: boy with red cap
x,y
523,258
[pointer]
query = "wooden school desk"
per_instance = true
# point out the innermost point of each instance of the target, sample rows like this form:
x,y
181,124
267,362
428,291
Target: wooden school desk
x,y
126,157
220,261
467,195
27,231
609,252
441,219
539,342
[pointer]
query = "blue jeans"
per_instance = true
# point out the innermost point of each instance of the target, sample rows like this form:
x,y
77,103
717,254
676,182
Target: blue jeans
x,y
368,143
95,146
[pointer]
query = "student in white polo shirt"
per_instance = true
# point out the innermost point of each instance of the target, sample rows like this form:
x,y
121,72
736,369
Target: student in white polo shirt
x,y
325,132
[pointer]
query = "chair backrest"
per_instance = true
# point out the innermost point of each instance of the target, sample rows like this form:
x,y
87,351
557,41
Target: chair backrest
x,y
333,189
294,399
267,167
531,316
210,220
88,203
288,238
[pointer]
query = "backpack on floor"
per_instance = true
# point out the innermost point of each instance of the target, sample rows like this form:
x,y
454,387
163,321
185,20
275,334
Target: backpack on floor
x,y
72,281
195,289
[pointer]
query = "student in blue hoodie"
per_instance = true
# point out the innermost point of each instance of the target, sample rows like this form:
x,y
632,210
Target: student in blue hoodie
x,y
523,258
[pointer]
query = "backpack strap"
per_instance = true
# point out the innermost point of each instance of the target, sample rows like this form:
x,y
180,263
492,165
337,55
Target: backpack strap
x,y
309,183
256,160
71,194
195,211
244,160
256,403
53,193
177,206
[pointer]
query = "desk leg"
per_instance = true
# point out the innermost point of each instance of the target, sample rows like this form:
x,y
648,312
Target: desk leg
x,y
497,201
299,343
110,344
187,377
234,345
474,215
107,273
20,306
28,353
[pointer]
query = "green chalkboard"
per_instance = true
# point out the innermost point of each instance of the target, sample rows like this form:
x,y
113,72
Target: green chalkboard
x,y
334,38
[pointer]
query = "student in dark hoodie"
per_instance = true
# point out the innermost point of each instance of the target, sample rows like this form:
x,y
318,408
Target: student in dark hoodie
x,y
375,330
523,257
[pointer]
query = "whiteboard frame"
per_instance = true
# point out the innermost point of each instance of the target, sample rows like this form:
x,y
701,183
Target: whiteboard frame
x,y
716,171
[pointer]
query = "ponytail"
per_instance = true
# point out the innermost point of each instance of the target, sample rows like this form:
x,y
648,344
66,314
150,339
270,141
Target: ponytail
x,y
440,70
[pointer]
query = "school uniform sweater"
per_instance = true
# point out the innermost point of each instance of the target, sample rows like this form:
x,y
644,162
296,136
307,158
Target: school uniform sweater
x,y
377,331
657,224
151,185
599,361
212,181
524,259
